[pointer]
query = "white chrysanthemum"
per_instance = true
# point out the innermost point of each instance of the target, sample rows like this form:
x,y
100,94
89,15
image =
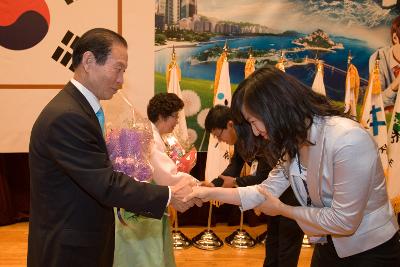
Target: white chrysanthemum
x,y
192,102
201,117
192,136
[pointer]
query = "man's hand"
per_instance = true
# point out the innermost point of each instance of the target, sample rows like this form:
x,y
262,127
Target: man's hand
x,y
182,189
228,181
272,205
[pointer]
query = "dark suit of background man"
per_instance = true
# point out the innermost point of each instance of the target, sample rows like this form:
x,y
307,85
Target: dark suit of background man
x,y
73,185
284,236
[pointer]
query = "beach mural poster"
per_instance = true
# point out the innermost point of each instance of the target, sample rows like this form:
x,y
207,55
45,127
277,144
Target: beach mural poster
x,y
302,30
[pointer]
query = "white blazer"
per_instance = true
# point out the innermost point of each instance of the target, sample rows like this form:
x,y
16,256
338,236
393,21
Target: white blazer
x,y
347,188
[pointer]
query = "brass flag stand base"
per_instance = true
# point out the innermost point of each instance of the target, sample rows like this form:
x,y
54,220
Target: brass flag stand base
x,y
261,238
240,238
207,239
306,242
179,240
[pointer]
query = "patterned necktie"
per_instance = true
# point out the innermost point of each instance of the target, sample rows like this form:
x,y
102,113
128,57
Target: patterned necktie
x,y
100,117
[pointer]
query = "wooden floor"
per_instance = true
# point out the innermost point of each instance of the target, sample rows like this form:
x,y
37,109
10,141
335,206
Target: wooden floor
x,y
13,246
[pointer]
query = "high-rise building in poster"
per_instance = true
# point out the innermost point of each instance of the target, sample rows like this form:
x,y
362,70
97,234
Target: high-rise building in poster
x,y
170,12
188,8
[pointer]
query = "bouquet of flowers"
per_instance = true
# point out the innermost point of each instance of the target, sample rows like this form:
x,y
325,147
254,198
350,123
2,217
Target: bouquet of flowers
x,y
184,161
129,151
129,139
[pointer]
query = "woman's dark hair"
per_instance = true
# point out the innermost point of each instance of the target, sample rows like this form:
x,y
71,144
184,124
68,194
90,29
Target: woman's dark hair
x,y
286,107
164,104
99,41
247,144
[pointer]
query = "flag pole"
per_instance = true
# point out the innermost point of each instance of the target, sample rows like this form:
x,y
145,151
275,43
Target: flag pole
x,y
209,217
179,240
241,238
349,59
217,156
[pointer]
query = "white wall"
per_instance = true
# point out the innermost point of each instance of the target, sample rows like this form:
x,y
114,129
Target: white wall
x,y
20,107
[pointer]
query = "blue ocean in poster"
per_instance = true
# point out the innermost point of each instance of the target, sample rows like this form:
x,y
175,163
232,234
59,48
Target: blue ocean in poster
x,y
334,78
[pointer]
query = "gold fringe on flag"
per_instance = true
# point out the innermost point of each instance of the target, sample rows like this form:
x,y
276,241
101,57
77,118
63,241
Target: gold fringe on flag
x,y
396,204
320,66
352,89
216,203
280,65
220,61
354,80
171,65
250,66
376,87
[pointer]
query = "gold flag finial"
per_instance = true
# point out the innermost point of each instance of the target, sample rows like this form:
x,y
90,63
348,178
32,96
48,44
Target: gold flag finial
x,y
282,57
226,46
349,58
173,53
225,51
249,67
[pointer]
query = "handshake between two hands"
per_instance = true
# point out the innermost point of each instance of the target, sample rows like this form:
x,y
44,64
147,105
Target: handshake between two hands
x,y
186,194
189,192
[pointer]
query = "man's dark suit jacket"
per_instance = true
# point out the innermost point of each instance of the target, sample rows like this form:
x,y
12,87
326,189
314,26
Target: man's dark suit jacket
x,y
235,168
74,187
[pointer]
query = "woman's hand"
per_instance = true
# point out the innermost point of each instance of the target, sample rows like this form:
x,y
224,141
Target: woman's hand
x,y
272,205
207,184
200,192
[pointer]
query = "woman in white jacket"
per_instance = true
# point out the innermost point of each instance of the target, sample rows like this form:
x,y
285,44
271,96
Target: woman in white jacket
x,y
332,165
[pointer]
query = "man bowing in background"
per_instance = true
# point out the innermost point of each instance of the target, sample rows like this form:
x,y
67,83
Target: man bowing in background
x,y
73,185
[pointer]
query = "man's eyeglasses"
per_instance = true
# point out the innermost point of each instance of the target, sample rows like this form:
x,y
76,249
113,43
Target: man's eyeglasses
x,y
218,137
175,115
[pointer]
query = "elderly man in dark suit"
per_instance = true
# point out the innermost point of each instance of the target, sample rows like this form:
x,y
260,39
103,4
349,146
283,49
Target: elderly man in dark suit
x,y
73,184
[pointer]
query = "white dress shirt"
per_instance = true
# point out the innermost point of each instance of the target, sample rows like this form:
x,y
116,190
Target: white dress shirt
x,y
90,97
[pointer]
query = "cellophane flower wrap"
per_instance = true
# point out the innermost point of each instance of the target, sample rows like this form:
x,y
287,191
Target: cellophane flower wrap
x,y
129,139
184,160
